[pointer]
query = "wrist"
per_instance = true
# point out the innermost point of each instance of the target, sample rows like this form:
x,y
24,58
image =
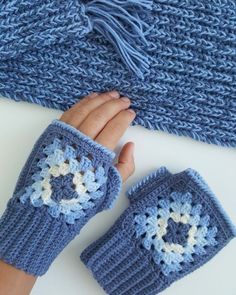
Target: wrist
x,y
31,238
67,179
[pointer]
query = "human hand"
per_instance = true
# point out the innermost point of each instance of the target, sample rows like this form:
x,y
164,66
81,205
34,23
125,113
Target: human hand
x,y
105,117
67,179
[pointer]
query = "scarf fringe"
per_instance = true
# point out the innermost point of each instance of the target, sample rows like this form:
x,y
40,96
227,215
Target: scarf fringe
x,y
120,22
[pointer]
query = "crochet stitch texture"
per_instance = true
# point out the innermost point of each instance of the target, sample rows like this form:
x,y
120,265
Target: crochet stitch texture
x,y
175,59
173,226
67,179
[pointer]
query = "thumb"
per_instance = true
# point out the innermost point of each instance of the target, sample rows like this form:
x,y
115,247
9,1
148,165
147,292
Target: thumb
x,y
126,165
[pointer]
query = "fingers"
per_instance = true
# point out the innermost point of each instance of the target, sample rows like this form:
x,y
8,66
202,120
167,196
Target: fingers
x,y
105,118
115,128
78,113
126,165
97,119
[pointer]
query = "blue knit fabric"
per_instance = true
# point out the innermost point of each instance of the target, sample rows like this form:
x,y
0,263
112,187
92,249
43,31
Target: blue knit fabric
x,y
175,59
173,226
67,179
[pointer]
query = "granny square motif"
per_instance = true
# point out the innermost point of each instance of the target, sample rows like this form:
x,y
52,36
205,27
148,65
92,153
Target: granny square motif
x,y
173,226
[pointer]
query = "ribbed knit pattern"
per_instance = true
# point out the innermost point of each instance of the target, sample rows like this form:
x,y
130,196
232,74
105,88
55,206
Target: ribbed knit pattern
x,y
120,267
66,180
173,226
31,239
176,60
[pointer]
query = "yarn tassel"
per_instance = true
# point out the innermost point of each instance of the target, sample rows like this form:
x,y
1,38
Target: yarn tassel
x,y
120,22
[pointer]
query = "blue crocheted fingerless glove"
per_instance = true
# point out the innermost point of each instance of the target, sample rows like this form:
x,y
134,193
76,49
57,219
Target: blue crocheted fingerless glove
x,y
173,226
67,179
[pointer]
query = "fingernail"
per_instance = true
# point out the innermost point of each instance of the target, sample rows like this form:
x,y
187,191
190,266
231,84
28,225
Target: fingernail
x,y
114,94
131,111
93,94
125,99
132,146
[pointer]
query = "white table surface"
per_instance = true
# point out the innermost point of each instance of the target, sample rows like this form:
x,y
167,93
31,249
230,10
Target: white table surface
x,y
20,126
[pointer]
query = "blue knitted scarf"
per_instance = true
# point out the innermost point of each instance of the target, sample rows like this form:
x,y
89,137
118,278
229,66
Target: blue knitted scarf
x,y
175,59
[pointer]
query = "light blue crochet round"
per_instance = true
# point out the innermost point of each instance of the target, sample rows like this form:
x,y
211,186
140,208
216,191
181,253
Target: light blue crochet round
x,y
174,231
77,183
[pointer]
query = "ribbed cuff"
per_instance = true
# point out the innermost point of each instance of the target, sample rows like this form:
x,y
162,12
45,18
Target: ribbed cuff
x,y
120,267
30,239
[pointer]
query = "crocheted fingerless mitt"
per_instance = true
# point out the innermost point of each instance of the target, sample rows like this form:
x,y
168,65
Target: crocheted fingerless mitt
x,y
173,226
67,179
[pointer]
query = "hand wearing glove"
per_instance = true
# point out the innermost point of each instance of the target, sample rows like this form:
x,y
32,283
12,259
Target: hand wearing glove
x,y
68,178
173,226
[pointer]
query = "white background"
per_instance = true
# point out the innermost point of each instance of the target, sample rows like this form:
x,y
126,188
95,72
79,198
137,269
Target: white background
x,y
20,126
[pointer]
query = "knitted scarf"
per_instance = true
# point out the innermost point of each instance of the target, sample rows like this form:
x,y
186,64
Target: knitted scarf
x,y
175,59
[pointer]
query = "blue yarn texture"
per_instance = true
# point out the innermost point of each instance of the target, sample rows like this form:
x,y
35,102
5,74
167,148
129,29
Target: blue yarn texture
x,y
175,59
67,179
173,226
